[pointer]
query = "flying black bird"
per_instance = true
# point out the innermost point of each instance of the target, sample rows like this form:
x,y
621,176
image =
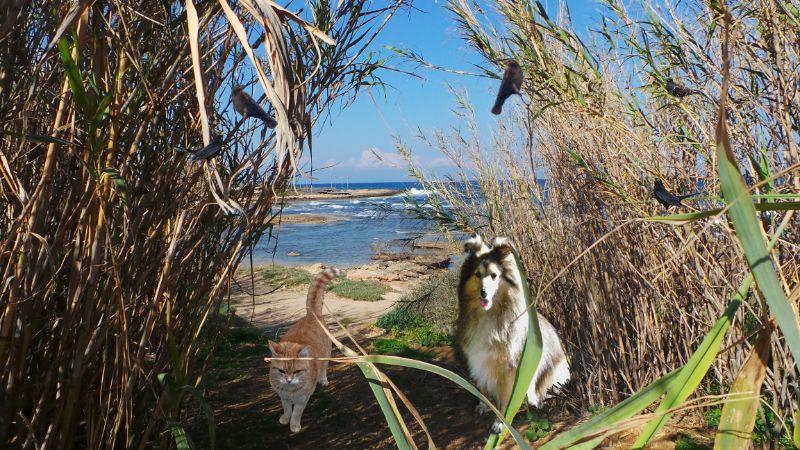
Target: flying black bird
x,y
247,107
209,151
666,197
678,90
511,84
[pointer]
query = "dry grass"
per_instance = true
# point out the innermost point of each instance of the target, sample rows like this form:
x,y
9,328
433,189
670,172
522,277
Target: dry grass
x,y
631,299
115,249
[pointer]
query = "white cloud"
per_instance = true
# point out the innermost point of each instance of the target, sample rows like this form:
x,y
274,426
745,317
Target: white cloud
x,y
375,158
441,161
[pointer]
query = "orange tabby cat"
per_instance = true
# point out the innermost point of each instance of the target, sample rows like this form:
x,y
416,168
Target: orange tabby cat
x,y
295,380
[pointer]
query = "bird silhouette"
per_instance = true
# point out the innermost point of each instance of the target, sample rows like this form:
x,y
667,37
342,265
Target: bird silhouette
x,y
209,151
511,84
666,197
247,107
678,90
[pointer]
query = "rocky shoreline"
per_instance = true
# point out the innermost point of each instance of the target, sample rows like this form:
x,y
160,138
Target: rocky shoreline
x,y
338,194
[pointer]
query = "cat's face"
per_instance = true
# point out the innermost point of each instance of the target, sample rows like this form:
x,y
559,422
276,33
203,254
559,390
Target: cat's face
x,y
289,372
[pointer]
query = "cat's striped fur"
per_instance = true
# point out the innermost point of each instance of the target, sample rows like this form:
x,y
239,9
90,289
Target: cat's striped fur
x,y
295,380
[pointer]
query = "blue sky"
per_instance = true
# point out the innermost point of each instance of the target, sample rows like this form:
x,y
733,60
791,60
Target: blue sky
x,y
370,124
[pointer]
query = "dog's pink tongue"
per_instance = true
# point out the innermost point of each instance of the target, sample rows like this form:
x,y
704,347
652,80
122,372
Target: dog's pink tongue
x,y
485,303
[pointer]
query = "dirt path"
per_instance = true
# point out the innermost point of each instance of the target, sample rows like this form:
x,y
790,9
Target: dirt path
x,y
343,415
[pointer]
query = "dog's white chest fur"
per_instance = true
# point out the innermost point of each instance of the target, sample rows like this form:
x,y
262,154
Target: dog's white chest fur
x,y
495,344
493,325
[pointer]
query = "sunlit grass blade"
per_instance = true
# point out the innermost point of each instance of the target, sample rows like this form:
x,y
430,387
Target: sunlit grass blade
x,y
529,361
739,413
742,212
690,375
396,426
199,85
625,410
382,392
450,375
681,219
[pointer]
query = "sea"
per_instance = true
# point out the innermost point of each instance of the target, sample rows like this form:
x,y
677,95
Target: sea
x,y
366,224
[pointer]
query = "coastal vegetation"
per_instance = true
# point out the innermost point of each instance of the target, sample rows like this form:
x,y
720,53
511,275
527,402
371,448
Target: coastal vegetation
x,y
281,276
360,290
660,311
116,249
119,254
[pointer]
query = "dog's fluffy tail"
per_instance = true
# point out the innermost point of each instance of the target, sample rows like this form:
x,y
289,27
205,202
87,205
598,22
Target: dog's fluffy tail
x,y
317,289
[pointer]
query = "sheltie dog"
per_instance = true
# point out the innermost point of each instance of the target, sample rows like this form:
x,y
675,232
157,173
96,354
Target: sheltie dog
x,y
493,323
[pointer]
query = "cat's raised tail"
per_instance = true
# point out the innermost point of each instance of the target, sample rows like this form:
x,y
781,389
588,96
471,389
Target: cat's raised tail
x,y
317,289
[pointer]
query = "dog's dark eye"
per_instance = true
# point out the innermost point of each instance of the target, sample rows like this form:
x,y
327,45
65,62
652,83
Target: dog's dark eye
x,y
477,275
494,275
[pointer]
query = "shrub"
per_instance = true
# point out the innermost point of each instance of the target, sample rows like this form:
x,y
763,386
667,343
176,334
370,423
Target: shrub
x,y
435,299
399,318
361,290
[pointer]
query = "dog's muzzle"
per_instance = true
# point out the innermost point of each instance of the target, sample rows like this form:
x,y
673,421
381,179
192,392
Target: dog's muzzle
x,y
485,303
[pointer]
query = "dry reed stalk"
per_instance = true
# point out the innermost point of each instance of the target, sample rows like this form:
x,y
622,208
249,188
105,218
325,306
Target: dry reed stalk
x,y
116,251
597,124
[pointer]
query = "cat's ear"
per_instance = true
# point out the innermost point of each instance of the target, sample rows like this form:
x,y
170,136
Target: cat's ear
x,y
305,352
274,348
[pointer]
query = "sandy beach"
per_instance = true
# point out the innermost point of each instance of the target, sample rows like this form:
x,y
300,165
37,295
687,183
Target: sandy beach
x,y
400,272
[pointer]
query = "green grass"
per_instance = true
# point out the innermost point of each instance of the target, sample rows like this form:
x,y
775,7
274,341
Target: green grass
x,y
426,336
409,330
398,347
762,432
539,427
287,276
712,416
686,442
360,290
400,318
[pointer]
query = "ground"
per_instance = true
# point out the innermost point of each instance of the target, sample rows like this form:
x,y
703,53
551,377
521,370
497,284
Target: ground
x,y
344,415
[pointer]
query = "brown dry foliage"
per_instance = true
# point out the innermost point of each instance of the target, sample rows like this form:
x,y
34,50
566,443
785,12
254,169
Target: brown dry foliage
x,y
115,249
631,299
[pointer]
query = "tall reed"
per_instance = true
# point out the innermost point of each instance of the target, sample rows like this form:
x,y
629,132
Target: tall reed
x,y
115,248
632,298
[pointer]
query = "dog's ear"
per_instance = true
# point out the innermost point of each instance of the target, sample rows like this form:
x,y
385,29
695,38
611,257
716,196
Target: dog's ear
x,y
502,247
501,241
476,246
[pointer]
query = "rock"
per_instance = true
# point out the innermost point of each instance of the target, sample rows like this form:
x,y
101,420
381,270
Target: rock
x,y
292,254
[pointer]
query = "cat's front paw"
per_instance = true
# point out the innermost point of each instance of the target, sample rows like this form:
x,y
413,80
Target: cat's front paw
x,y
324,382
295,427
481,409
284,419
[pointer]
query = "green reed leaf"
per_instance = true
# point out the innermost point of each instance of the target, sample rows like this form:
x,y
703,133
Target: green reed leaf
x,y
681,219
73,74
690,376
628,408
452,376
529,361
742,213
389,412
739,412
